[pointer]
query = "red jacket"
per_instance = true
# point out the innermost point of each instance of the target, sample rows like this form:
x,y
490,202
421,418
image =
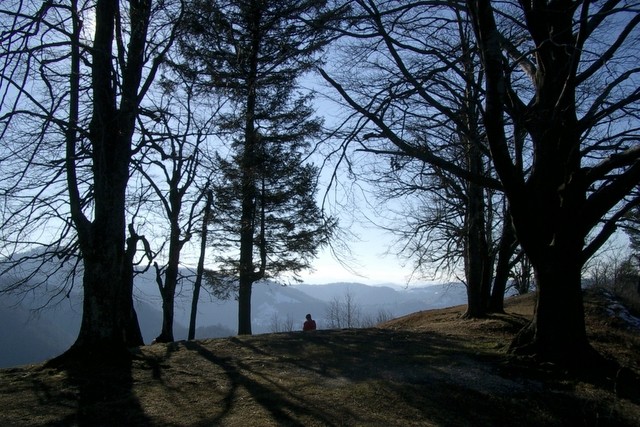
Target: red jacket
x,y
309,325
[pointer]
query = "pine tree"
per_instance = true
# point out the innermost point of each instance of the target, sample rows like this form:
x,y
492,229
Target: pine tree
x,y
252,53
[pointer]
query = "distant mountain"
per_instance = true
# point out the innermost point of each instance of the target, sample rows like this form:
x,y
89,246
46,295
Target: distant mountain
x,y
29,338
26,337
397,300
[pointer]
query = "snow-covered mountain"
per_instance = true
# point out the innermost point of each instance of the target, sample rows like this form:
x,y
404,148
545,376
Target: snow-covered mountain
x,y
26,337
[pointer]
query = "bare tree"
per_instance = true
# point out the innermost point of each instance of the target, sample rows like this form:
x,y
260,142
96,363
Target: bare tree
x,y
282,325
175,165
614,269
579,108
119,53
560,108
36,109
90,66
369,320
419,105
344,312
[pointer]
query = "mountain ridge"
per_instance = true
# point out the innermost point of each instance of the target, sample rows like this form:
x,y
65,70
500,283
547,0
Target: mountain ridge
x,y
34,336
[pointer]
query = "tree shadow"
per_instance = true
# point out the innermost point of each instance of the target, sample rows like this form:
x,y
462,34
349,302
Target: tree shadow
x,y
283,405
100,388
218,381
383,358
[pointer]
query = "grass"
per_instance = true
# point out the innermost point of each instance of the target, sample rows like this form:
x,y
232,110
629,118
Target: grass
x,y
429,368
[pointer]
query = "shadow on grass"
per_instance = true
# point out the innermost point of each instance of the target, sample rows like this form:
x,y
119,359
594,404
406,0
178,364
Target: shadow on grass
x,y
283,406
407,365
329,378
100,388
397,376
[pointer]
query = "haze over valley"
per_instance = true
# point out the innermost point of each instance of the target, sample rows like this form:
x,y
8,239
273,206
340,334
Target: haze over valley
x,y
32,336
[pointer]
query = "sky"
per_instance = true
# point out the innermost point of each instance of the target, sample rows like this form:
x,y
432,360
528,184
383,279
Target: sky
x,y
369,265
368,260
350,200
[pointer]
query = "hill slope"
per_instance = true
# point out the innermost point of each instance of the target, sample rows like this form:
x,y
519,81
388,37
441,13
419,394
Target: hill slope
x,y
429,368
32,334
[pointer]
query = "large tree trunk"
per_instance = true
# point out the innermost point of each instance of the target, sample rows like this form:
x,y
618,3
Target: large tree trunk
x,y
557,331
477,259
546,207
109,318
109,321
552,236
549,228
475,264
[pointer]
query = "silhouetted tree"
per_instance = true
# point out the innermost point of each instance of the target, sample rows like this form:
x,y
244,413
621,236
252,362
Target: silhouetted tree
x,y
420,104
82,88
252,52
577,107
197,283
176,168
560,121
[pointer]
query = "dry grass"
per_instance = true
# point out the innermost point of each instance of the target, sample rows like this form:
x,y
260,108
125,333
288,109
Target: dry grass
x,y
430,368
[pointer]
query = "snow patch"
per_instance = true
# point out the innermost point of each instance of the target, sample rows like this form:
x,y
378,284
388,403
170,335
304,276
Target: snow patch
x,y
616,310
619,311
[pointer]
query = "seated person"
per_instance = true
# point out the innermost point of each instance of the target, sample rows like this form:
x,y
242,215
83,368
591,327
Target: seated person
x,y
310,324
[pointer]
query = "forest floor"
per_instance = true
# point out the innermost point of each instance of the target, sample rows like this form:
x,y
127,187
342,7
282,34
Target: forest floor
x,y
431,368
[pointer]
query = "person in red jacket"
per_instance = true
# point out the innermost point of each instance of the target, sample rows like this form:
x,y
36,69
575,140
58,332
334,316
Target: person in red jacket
x,y
310,324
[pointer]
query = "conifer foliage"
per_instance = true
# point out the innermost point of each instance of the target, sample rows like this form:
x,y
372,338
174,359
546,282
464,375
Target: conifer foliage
x,y
253,53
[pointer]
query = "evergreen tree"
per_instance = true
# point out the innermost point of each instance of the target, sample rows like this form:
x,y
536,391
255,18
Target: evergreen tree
x,y
632,228
252,52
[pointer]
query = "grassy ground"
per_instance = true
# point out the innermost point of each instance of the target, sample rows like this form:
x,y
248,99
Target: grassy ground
x,y
429,368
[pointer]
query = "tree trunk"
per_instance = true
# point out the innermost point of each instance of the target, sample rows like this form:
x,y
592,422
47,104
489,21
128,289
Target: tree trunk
x,y
168,291
244,305
168,301
476,251
553,238
250,164
109,321
557,331
200,269
547,207
477,284
505,251
109,318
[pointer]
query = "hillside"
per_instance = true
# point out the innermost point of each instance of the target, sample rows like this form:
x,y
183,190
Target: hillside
x,y
428,368
32,334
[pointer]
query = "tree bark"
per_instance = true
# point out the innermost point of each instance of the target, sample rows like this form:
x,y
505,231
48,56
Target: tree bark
x,y
477,259
475,262
249,164
168,289
547,206
557,331
503,265
109,320
200,269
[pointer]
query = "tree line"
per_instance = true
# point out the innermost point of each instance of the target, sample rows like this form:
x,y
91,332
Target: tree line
x,y
133,130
